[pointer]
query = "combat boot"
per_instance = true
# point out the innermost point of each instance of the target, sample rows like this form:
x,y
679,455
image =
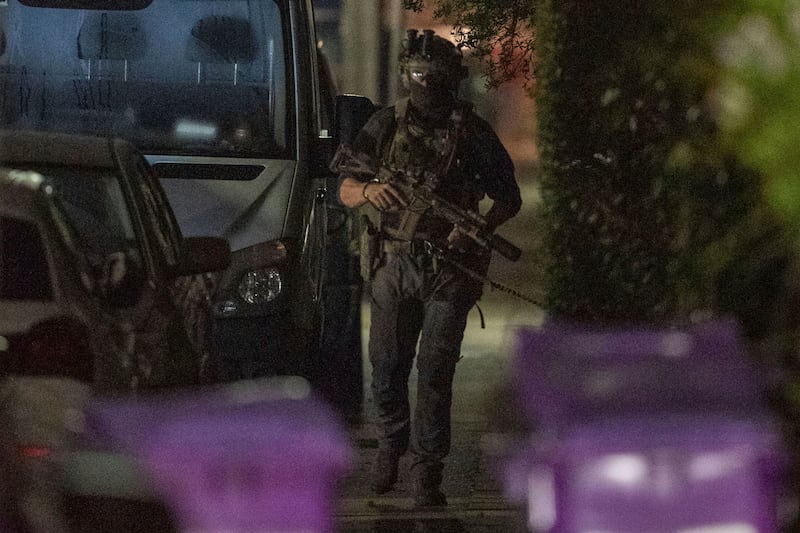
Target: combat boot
x,y
384,471
429,498
427,481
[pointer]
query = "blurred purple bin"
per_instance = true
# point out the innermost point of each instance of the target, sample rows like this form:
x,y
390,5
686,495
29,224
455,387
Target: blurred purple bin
x,y
644,431
248,457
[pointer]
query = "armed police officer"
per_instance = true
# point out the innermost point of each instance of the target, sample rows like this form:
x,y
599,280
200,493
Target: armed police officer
x,y
418,296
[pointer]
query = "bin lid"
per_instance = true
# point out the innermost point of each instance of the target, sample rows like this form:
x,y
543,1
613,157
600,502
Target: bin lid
x,y
272,414
248,456
569,374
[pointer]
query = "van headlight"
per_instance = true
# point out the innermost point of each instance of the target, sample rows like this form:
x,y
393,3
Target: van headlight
x,y
260,286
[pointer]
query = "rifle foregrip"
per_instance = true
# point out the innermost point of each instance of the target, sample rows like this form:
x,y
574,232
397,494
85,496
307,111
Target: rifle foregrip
x,y
504,247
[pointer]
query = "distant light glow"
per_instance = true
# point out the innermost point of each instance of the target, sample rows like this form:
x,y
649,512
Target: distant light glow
x,y
192,129
26,178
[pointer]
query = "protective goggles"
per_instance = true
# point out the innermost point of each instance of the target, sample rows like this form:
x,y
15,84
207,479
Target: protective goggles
x,y
424,72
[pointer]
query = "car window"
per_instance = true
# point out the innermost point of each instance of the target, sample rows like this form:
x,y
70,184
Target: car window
x,y
164,229
95,204
24,270
70,242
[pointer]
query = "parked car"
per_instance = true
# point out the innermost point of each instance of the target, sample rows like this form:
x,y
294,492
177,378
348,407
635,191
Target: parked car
x,y
99,295
93,261
52,328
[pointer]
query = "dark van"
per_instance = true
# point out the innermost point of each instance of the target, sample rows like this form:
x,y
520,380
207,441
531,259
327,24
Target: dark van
x,y
230,105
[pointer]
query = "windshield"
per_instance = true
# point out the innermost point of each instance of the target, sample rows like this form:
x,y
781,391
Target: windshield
x,y
187,77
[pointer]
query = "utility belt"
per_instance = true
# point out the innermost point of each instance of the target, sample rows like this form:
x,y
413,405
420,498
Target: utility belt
x,y
375,244
414,247
420,251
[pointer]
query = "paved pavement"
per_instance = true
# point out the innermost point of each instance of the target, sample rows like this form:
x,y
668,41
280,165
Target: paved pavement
x,y
476,502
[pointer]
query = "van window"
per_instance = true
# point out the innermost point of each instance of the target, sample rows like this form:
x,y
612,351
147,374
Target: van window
x,y
188,77
24,270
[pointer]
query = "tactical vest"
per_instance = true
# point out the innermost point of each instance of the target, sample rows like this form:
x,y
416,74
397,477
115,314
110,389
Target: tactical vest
x,y
429,156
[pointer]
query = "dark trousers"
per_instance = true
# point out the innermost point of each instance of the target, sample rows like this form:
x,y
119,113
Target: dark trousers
x,y
412,305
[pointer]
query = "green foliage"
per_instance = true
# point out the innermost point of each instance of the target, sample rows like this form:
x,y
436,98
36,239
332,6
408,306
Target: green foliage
x,y
499,33
624,143
759,99
758,105
651,215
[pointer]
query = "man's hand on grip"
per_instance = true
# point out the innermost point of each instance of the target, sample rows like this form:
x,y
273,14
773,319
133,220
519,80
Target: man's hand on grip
x,y
383,195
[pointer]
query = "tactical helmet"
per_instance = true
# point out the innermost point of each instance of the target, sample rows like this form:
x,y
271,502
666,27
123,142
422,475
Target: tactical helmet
x,y
427,55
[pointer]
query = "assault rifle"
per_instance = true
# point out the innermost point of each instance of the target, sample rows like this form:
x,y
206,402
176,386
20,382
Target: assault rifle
x,y
418,189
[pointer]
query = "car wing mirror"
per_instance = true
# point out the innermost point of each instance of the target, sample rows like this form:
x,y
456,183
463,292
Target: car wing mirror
x,y
352,112
200,255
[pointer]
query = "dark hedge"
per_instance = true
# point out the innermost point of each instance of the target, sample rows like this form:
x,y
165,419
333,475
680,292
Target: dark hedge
x,y
649,217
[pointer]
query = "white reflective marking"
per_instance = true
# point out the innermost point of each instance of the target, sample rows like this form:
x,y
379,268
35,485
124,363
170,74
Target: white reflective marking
x,y
735,527
541,499
628,470
714,465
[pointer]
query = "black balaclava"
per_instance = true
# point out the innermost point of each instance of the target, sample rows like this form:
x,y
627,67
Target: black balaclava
x,y
434,94
432,98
